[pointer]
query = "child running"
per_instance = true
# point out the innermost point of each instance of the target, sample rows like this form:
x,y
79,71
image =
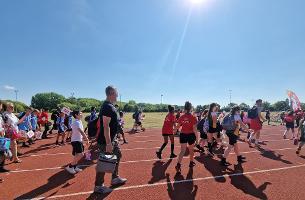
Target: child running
x,y
289,120
121,127
203,132
301,135
68,124
213,131
61,128
232,124
188,135
77,143
168,132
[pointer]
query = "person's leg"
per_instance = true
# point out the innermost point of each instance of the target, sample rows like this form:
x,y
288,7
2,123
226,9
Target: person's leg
x,y
172,139
191,150
301,144
76,159
46,129
100,176
165,139
293,133
258,134
210,143
118,153
14,148
99,179
285,133
63,137
57,138
182,152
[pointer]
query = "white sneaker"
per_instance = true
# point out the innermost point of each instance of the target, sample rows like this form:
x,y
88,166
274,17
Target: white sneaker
x,y
77,169
118,181
71,170
102,190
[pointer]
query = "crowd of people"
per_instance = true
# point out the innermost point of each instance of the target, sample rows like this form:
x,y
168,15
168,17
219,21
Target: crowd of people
x,y
205,131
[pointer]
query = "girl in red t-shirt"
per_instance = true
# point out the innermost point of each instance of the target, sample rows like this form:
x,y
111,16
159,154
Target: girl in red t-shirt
x,y
289,120
188,136
168,132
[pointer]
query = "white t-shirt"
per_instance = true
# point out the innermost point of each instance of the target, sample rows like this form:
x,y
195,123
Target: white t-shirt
x,y
76,134
1,124
12,121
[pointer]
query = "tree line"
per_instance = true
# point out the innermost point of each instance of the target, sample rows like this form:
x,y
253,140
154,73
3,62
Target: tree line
x,y
52,101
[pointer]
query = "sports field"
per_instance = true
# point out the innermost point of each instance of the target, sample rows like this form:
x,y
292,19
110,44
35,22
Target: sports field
x,y
272,171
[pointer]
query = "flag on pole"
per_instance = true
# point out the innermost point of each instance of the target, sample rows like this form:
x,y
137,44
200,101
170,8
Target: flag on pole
x,y
294,100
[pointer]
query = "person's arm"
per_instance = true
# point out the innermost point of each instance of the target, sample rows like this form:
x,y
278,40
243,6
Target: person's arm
x,y
106,122
84,135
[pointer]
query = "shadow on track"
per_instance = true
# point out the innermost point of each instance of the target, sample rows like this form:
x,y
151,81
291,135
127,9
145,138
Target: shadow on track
x,y
273,155
243,183
158,171
214,167
182,190
59,179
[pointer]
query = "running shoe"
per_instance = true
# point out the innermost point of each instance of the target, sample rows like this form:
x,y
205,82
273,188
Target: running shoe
x,y
71,170
192,164
173,156
77,169
102,190
118,181
159,155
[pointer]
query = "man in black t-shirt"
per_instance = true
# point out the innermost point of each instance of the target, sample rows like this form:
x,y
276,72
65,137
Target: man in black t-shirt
x,y
107,139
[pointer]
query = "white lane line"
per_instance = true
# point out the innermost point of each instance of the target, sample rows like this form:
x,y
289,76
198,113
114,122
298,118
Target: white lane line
x,y
178,182
136,161
133,149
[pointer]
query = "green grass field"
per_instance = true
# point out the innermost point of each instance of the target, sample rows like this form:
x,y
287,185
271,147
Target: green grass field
x,y
155,120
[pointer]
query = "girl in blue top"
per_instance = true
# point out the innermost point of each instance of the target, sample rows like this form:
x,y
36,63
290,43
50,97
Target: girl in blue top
x,y
61,128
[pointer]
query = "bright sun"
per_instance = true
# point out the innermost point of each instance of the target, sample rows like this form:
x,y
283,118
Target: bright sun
x,y
197,1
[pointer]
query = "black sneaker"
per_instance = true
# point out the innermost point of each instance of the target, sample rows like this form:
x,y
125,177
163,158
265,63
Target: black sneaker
x,y
56,143
192,164
25,145
178,168
173,156
201,149
224,162
298,152
159,155
2,170
241,159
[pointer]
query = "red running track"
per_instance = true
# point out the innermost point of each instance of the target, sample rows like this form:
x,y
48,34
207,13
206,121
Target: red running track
x,y
272,171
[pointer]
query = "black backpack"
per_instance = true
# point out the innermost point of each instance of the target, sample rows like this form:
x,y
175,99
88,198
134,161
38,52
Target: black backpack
x,y
253,113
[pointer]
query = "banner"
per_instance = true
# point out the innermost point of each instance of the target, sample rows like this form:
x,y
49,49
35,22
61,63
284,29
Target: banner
x,y
294,100
65,110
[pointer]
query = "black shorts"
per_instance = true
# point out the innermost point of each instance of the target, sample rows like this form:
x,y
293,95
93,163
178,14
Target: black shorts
x,y
60,132
78,148
213,130
138,123
167,135
290,125
187,138
203,135
232,137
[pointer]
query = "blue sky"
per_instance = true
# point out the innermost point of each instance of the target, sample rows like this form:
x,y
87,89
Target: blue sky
x,y
146,48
